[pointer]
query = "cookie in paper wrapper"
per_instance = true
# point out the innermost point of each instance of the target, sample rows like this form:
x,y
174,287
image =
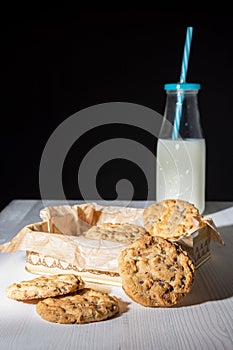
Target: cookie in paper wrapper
x,y
171,219
115,232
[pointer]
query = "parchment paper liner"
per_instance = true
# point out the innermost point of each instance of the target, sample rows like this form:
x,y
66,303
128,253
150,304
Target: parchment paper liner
x,y
55,244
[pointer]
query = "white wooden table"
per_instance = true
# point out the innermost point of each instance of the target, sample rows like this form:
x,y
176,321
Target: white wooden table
x,y
204,319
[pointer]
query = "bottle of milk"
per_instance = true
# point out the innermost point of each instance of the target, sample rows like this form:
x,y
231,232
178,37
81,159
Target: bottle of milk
x,y
181,148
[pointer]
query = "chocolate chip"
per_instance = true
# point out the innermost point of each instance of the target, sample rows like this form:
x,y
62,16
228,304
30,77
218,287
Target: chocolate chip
x,y
169,265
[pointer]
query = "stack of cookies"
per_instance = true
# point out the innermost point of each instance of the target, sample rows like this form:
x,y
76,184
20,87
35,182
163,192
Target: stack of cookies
x,y
63,298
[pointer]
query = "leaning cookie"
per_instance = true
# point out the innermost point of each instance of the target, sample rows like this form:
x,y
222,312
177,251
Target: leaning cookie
x,y
116,232
84,306
171,218
44,287
156,272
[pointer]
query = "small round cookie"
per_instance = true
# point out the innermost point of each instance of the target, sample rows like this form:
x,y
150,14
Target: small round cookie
x,y
171,218
118,232
85,306
44,287
155,272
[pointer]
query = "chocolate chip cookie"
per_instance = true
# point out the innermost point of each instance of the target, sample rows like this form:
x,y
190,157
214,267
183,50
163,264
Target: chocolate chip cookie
x,y
156,272
45,286
84,306
116,232
171,218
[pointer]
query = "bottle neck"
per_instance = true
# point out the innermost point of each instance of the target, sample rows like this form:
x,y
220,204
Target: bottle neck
x,y
181,112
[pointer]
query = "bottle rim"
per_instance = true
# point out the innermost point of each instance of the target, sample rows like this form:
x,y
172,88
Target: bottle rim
x,y
182,86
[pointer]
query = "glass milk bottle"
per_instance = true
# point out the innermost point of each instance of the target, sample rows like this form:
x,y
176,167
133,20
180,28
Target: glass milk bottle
x,y
181,148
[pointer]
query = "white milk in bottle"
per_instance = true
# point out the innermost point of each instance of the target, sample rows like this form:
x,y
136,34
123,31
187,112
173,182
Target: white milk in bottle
x,y
181,157
181,170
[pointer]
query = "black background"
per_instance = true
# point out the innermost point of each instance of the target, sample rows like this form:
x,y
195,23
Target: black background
x,y
58,61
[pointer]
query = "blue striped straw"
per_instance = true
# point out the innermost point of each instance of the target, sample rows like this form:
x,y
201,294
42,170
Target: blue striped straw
x,y
180,95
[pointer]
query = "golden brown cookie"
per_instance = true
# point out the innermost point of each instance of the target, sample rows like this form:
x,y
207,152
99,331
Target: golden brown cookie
x,y
44,287
155,271
171,218
125,232
84,306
